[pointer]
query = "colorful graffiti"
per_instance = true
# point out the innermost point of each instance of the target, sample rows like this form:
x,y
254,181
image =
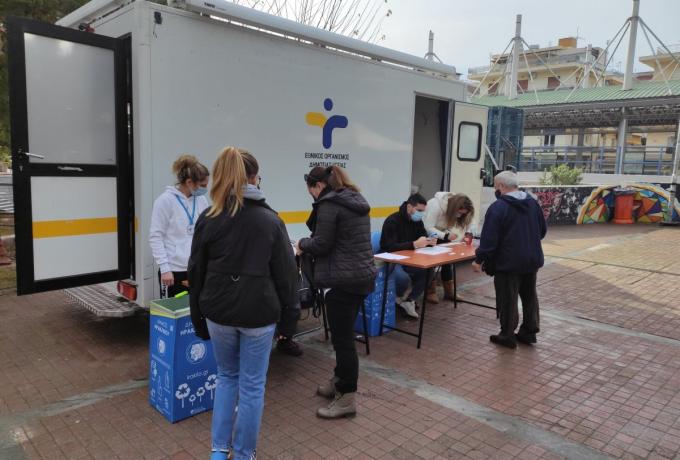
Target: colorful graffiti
x,y
560,205
650,204
598,208
593,204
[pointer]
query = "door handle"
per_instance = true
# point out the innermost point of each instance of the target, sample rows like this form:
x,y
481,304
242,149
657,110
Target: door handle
x,y
32,155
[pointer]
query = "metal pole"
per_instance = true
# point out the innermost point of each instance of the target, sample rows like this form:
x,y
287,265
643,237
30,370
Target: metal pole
x,y
674,177
512,94
430,48
630,59
589,64
621,138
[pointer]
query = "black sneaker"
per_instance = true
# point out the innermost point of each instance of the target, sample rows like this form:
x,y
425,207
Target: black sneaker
x,y
289,347
505,341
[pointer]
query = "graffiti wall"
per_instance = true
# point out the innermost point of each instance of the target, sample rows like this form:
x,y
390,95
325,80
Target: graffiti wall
x,y
595,204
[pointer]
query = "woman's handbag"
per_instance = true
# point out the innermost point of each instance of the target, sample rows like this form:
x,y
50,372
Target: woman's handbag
x,y
306,290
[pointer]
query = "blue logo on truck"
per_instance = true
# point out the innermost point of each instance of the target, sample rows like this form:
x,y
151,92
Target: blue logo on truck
x,y
327,125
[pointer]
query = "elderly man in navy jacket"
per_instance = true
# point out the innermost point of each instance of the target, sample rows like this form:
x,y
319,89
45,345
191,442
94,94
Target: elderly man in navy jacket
x,y
510,251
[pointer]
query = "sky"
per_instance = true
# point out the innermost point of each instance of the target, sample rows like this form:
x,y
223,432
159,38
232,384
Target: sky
x,y
467,31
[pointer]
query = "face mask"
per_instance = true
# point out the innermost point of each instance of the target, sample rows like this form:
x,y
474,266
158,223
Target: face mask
x,y
200,191
417,216
498,194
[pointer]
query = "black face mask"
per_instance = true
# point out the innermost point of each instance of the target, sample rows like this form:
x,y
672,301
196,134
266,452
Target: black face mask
x,y
498,194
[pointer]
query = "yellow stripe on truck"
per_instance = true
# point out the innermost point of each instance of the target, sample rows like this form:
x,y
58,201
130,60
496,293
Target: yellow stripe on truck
x,y
57,228
300,217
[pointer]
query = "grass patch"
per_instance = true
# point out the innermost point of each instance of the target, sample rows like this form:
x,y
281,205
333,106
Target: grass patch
x,y
8,279
6,224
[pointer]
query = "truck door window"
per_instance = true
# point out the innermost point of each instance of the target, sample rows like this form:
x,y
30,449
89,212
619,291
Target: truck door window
x,y
469,141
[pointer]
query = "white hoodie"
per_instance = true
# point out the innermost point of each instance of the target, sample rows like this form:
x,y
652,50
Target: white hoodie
x,y
168,236
435,218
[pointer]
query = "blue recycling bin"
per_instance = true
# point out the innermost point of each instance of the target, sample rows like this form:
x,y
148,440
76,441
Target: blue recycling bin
x,y
373,302
373,305
182,369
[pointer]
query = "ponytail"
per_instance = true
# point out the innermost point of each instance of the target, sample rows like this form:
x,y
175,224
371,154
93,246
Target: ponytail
x,y
229,181
337,179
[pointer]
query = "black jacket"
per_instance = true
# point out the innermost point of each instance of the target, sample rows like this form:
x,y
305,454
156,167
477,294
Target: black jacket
x,y
511,236
341,242
399,231
242,268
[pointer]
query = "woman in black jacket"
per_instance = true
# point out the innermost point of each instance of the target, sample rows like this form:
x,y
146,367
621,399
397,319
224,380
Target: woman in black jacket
x,y
241,272
344,268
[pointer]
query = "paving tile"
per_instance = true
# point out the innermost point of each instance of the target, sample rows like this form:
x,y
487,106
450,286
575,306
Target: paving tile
x,y
618,394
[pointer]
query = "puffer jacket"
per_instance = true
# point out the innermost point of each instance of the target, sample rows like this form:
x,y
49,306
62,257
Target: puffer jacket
x,y
241,270
341,242
435,218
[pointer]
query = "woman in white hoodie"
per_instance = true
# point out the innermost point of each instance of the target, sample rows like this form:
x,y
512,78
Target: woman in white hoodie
x,y
173,218
447,216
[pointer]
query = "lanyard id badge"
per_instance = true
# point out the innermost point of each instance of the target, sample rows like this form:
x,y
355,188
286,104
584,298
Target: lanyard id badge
x,y
190,217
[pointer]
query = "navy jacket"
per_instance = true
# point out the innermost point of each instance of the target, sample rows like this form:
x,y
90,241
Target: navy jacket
x,y
511,237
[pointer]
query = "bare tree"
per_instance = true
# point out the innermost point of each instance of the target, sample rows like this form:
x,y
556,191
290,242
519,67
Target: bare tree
x,y
361,19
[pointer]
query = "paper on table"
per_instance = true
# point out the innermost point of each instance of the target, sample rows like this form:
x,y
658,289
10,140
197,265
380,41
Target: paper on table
x,y
390,256
455,243
433,251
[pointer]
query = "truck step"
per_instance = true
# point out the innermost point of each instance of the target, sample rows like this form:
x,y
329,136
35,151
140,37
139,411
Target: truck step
x,y
102,302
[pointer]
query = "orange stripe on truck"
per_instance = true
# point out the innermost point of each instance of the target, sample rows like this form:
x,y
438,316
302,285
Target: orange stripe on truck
x,y
300,217
74,227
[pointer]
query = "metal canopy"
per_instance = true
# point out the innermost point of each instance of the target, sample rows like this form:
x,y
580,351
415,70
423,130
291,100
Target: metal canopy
x,y
640,112
647,104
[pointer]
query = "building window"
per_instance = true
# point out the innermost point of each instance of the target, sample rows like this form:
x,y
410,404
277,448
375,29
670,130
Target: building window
x,y
523,84
549,139
553,82
493,89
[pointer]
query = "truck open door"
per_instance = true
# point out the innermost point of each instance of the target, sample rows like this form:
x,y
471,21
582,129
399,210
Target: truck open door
x,y
69,105
469,136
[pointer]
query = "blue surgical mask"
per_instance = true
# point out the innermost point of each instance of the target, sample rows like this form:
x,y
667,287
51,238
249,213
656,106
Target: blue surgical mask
x,y
417,216
200,191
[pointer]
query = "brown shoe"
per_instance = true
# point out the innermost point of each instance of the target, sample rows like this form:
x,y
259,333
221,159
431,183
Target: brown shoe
x,y
342,406
448,290
431,294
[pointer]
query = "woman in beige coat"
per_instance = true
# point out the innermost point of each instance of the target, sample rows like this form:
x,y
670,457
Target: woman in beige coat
x,y
448,216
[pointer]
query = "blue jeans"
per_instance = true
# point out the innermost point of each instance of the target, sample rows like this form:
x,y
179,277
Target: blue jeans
x,y
242,356
403,276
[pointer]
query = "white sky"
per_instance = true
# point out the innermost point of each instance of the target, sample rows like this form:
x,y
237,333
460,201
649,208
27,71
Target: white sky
x,y
467,31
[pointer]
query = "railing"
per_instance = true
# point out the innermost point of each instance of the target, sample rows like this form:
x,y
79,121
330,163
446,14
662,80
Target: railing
x,y
533,62
652,160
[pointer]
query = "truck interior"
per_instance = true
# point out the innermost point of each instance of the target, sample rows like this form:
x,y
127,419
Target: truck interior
x,y
431,152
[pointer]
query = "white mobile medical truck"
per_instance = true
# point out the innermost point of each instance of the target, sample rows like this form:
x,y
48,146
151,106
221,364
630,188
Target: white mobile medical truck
x,y
104,101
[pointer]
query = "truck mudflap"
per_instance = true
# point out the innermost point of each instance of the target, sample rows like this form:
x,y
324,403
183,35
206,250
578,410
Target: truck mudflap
x,y
103,302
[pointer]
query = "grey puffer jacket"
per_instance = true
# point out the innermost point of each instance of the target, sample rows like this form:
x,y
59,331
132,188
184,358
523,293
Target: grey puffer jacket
x,y
341,242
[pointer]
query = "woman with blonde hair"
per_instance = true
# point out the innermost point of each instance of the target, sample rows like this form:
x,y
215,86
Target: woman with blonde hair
x,y
448,216
173,219
344,268
242,273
